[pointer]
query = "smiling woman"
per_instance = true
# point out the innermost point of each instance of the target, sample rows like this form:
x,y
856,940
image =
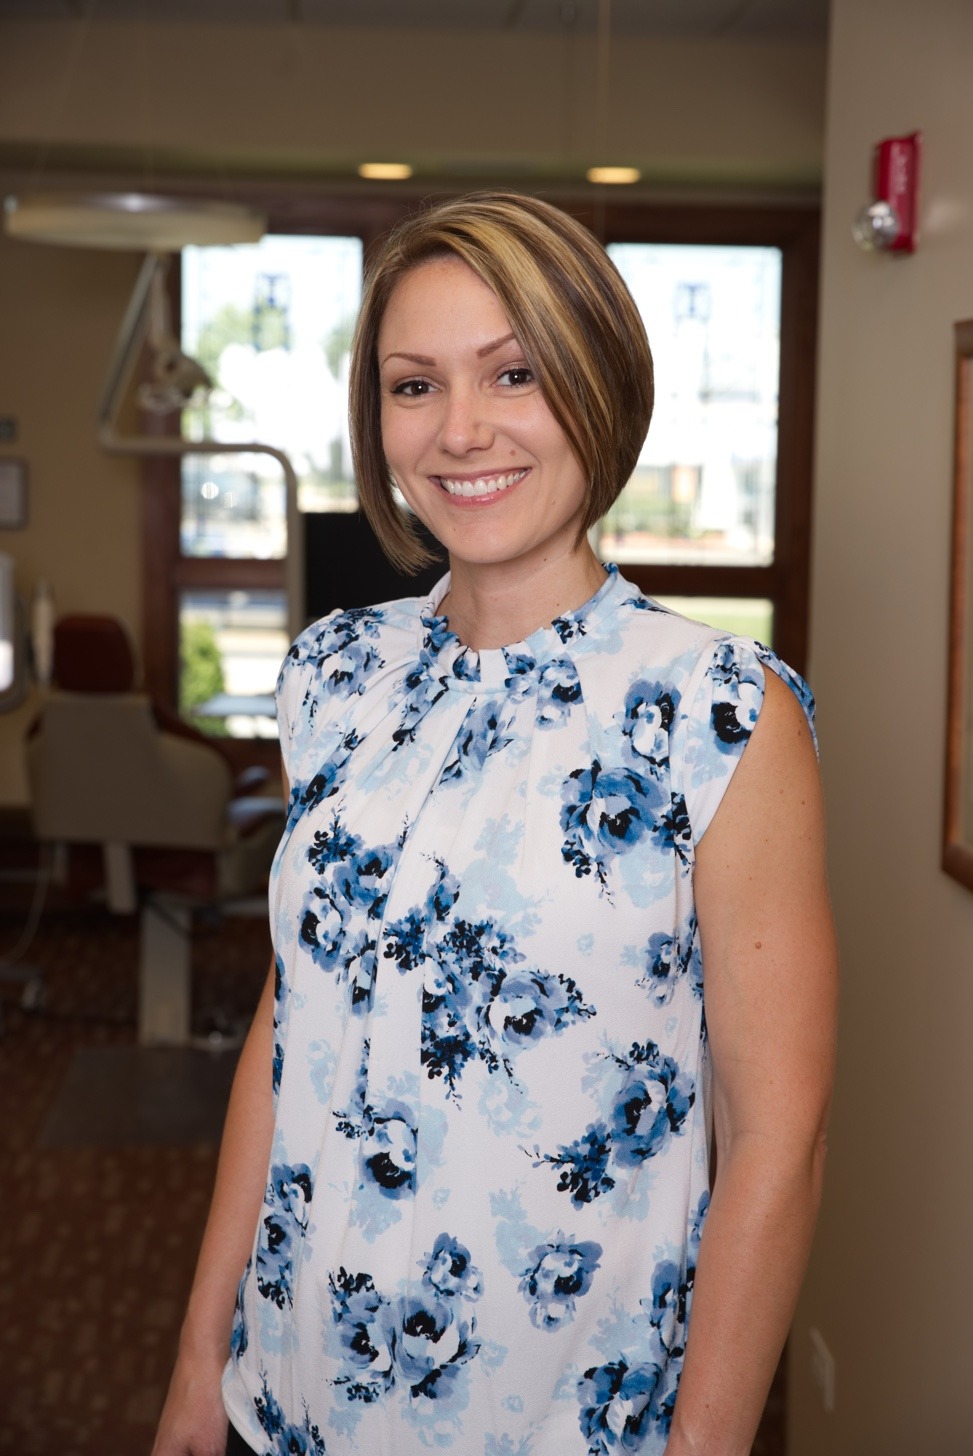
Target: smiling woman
x,y
550,906
471,441
554,302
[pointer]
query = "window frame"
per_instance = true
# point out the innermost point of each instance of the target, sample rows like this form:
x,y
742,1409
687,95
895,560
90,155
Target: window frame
x,y
794,229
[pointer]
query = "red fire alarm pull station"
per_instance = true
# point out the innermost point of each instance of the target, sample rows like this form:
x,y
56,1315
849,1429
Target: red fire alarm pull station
x,y
890,224
897,183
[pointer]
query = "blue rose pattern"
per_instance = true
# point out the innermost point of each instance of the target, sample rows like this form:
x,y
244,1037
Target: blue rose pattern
x,y
287,1438
489,986
558,1275
628,1401
388,1136
416,1342
651,1104
282,1230
481,1001
667,957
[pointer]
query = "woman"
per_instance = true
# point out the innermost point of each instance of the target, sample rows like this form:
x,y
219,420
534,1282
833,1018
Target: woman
x,y
536,823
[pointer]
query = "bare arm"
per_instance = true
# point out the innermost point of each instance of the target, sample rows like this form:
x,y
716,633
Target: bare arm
x,y
193,1421
770,976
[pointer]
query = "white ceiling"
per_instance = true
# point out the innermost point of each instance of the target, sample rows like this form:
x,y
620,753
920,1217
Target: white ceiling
x,y
801,20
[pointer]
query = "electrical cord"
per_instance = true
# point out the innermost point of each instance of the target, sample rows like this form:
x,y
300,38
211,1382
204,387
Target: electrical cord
x,y
11,967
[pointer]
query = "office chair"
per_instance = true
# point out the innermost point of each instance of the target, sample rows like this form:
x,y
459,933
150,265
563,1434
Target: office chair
x,y
157,805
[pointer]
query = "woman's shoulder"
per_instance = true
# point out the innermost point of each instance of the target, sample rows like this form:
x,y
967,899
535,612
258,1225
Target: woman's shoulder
x,y
334,634
697,655
341,658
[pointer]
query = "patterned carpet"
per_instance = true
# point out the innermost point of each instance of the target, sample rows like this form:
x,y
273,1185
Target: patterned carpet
x,y
102,1237
109,1155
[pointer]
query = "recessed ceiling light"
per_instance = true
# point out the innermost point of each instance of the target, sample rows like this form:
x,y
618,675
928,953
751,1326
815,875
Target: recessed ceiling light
x,y
614,175
385,171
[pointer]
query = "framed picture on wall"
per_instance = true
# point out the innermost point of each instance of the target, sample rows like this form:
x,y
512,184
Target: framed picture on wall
x,y
957,855
13,494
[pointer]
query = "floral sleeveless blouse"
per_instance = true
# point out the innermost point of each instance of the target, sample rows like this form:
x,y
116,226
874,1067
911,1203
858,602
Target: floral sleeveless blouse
x,y
489,1171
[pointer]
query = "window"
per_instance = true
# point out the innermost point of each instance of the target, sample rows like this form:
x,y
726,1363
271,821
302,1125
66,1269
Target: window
x,y
703,490
715,519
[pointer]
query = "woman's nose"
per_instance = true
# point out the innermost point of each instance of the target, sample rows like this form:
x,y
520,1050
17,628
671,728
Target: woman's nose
x,y
464,425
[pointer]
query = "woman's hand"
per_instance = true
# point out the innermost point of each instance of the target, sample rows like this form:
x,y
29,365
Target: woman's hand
x,y
193,1421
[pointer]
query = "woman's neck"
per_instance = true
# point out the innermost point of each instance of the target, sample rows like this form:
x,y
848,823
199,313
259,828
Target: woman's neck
x,y
494,605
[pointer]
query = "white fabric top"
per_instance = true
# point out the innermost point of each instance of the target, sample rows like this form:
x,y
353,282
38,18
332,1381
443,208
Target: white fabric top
x,y
489,1168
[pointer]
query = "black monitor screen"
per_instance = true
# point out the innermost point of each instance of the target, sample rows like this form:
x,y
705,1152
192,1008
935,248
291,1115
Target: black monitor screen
x,y
344,566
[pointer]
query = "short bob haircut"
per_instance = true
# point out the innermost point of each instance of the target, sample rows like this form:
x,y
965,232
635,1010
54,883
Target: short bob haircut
x,y
574,319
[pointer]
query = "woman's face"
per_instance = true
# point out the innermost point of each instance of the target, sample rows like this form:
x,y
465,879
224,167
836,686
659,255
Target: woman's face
x,y
466,431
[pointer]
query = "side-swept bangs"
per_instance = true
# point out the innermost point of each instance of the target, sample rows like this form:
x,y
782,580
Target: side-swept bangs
x,y
575,320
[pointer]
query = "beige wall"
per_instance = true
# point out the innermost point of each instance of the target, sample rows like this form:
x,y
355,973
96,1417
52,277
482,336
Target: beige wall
x,y
276,95
891,1282
59,312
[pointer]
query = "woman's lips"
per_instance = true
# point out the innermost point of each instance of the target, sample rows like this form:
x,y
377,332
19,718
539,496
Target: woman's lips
x,y
467,486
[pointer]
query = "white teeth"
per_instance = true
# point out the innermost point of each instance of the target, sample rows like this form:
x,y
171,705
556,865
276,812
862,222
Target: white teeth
x,y
485,485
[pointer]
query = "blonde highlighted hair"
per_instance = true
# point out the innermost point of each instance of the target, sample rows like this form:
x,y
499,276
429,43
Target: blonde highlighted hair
x,y
574,318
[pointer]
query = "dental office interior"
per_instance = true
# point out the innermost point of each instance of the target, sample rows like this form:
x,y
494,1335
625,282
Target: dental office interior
x,y
728,110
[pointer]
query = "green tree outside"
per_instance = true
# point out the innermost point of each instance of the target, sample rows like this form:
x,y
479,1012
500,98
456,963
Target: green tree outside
x,y
201,674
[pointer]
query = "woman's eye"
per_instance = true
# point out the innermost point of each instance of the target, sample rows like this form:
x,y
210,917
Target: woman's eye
x,y
517,376
412,388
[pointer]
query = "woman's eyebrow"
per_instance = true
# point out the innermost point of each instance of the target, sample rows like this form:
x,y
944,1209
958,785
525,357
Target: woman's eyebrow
x,y
489,348
430,363
412,358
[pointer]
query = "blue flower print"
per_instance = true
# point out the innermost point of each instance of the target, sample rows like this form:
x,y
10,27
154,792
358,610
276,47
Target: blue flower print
x,y
651,1106
605,813
558,1275
420,1338
354,878
359,964
646,720
322,785
527,1005
280,1006
738,691
621,1407
569,627
323,933
389,1151
239,1339
424,685
287,1437
558,692
405,938
583,1164
481,1001
332,845
671,1293
322,929
345,651
432,1344
673,831
661,967
362,1321
362,879
483,732
793,680
447,1043
667,957
450,1270
388,1138
643,604
288,1200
